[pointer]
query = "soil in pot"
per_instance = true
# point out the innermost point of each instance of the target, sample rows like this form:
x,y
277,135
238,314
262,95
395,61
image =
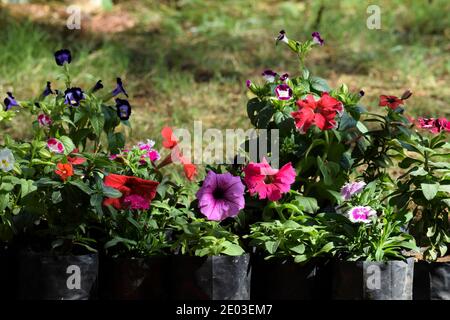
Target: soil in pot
x,y
283,279
432,280
362,280
46,276
134,278
210,278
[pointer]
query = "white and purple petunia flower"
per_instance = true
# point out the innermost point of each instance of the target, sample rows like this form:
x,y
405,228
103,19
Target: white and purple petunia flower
x,y
361,214
284,77
119,89
55,145
282,37
73,96
283,92
317,39
123,109
269,75
10,102
351,188
44,120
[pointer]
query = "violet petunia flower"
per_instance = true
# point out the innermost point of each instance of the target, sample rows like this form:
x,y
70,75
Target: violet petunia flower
x,y
269,75
283,92
221,196
73,97
10,102
317,39
97,86
48,90
352,188
282,37
119,89
248,83
63,56
361,214
123,109
284,77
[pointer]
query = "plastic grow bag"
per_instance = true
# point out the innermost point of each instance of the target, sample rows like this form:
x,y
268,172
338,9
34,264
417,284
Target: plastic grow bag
x,y
134,279
362,280
44,276
431,281
7,273
210,278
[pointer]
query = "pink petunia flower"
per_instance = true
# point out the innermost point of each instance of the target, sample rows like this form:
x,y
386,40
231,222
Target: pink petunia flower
x,y
136,202
267,182
44,120
352,188
361,214
55,145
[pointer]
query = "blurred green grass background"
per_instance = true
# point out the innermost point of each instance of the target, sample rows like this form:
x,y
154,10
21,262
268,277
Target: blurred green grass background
x,y
186,60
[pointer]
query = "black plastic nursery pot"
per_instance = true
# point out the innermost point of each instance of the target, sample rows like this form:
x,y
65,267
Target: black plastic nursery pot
x,y
362,280
210,278
134,278
431,281
46,276
7,273
283,279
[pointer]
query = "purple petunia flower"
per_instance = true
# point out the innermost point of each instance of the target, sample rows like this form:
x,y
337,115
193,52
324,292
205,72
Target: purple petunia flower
x,y
123,109
282,37
221,196
283,92
73,96
316,38
248,83
361,93
351,188
284,77
269,75
119,89
361,214
97,86
63,56
10,102
48,90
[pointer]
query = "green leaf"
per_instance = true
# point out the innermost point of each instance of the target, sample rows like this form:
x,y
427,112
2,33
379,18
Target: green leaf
x,y
419,172
111,192
319,84
300,249
271,246
430,190
68,144
232,249
82,186
56,197
308,205
97,121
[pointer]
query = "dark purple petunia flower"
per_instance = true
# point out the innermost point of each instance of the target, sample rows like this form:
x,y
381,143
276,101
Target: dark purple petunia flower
x,y
269,75
316,38
361,93
62,56
47,90
123,109
10,102
284,77
97,86
73,96
282,37
221,196
119,88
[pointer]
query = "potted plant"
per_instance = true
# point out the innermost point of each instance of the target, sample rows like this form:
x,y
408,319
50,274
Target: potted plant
x,y
371,246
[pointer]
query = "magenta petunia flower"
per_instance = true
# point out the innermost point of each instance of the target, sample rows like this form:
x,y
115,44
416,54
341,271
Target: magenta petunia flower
x,y
267,182
44,120
221,196
434,125
283,92
136,202
55,145
317,39
153,155
146,145
361,214
351,188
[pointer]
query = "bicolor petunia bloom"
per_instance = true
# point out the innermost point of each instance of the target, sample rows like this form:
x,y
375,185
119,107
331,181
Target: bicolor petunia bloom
x,y
267,182
7,160
269,75
352,188
283,92
123,109
10,102
284,77
73,96
361,214
390,101
119,89
63,56
282,37
48,90
55,145
321,113
44,120
221,196
317,38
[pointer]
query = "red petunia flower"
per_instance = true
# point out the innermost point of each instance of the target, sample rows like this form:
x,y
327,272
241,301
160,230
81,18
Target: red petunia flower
x,y
190,170
169,139
137,193
321,113
65,170
390,101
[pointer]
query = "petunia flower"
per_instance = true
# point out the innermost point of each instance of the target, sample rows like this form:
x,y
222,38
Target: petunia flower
x,y
169,139
7,160
73,96
321,113
44,120
221,196
48,90
153,155
352,188
63,56
282,37
119,89
10,102
190,170
55,145
98,85
284,77
361,93
146,145
123,109
64,171
269,75
406,95
267,182
361,214
434,125
137,193
317,39
390,101
283,92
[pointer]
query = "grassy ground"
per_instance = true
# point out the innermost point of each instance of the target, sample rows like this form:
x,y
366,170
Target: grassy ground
x,y
188,60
